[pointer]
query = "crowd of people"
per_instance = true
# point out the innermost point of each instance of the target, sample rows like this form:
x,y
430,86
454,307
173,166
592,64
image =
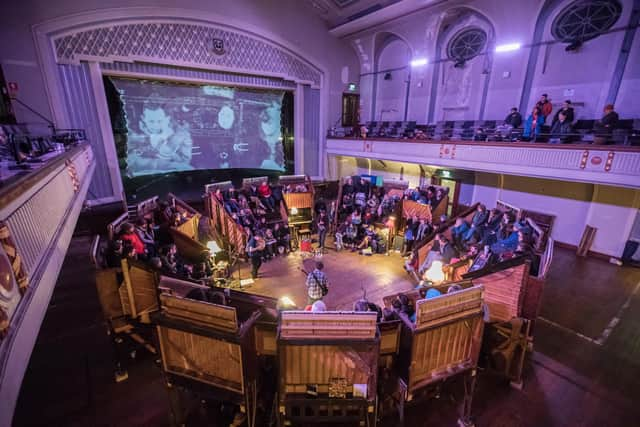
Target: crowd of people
x,y
361,207
491,236
148,240
255,209
561,130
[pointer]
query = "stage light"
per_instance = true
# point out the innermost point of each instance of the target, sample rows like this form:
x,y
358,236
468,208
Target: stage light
x,y
294,211
419,62
213,247
286,303
509,47
435,274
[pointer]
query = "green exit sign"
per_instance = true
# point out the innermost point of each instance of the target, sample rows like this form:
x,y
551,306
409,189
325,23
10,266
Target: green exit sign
x,y
353,87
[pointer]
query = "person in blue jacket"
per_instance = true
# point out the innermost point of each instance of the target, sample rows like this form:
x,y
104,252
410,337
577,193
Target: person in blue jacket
x,y
533,125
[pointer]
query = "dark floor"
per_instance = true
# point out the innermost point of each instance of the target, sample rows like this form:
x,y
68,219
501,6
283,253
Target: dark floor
x,y
578,375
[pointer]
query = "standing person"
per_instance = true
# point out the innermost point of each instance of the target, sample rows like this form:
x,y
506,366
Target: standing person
x,y
322,223
317,284
545,107
254,249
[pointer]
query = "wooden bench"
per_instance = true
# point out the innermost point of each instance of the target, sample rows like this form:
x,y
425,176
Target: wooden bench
x,y
223,227
208,350
186,235
328,368
444,341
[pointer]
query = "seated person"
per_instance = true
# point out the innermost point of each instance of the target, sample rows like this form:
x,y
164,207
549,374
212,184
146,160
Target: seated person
x,y
567,110
283,237
437,199
458,231
365,306
266,196
114,254
402,304
424,229
491,227
485,258
561,130
271,249
350,235
340,232
512,121
533,125
411,265
348,187
508,243
605,126
442,250
479,219
356,217
130,237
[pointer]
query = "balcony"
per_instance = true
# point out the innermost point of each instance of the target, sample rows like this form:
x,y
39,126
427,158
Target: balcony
x,y
600,164
39,208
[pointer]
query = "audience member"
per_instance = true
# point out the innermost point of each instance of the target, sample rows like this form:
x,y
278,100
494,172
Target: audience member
x,y
533,126
567,110
561,131
545,106
604,127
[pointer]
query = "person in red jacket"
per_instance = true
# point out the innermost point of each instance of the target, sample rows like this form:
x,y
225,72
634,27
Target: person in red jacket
x,y
264,191
545,106
129,236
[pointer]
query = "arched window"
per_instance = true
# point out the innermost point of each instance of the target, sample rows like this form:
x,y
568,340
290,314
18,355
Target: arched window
x,y
467,44
585,20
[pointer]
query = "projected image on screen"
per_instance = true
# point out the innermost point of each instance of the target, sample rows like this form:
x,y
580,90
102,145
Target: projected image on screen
x,y
175,127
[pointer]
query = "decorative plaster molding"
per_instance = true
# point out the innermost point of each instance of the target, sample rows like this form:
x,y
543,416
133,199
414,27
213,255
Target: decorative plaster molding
x,y
180,42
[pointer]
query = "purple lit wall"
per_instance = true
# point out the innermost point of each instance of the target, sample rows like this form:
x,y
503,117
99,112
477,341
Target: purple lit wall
x,y
584,76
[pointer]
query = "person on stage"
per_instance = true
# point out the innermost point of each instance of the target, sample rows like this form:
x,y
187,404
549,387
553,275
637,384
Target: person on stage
x,y
317,284
254,249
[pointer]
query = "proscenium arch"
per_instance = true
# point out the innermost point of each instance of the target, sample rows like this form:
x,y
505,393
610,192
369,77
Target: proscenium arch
x,y
381,41
447,29
45,33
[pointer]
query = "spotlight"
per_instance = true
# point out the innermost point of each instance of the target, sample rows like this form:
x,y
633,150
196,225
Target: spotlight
x,y
508,47
213,247
460,63
286,303
419,62
294,211
387,76
573,46
435,274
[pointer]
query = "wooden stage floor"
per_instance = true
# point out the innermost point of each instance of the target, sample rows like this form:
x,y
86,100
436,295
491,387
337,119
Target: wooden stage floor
x,y
349,275
584,370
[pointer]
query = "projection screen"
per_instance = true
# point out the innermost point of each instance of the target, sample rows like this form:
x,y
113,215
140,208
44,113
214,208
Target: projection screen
x,y
173,127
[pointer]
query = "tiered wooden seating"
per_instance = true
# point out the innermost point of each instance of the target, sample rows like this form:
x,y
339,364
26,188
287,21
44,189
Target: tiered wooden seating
x,y
444,342
208,350
142,210
328,368
423,247
233,237
186,235
509,331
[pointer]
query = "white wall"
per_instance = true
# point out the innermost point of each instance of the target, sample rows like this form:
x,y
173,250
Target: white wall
x,y
611,210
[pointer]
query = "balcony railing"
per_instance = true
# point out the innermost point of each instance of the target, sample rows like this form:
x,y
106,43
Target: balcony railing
x,y
39,208
603,164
